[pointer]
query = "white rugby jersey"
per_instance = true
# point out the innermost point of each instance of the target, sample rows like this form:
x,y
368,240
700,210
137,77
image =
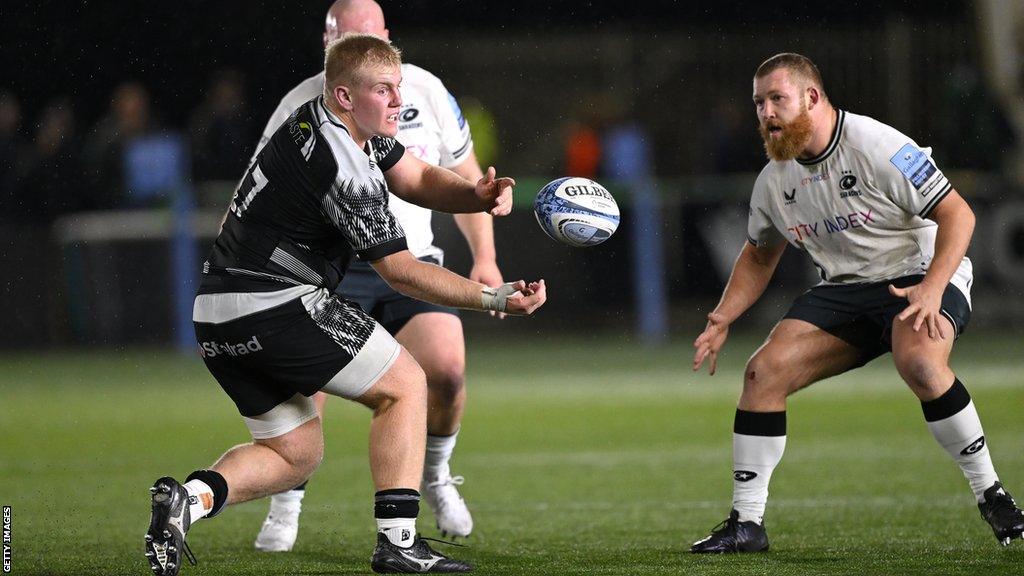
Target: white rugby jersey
x,y
431,127
858,209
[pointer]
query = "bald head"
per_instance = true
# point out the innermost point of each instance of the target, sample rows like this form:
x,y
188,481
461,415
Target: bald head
x,y
361,16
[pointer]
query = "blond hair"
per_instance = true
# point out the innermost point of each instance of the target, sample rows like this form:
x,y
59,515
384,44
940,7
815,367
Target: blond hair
x,y
799,66
347,58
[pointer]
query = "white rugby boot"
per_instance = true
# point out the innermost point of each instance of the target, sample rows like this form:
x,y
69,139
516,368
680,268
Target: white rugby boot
x,y
442,495
281,527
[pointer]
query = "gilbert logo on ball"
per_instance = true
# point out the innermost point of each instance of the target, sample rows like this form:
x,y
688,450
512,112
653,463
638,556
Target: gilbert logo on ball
x,y
576,211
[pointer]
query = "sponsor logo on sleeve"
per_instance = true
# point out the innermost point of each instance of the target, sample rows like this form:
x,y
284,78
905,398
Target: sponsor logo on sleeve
x,y
303,136
914,164
458,111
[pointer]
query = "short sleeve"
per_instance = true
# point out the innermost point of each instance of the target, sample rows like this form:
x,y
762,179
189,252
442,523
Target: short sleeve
x,y
386,152
910,177
361,214
761,230
456,141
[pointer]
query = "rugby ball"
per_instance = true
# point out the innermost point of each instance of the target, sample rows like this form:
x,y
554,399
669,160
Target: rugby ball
x,y
576,211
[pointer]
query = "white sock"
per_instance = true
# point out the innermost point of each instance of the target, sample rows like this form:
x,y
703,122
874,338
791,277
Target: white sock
x,y
400,531
964,439
439,452
289,502
200,499
754,458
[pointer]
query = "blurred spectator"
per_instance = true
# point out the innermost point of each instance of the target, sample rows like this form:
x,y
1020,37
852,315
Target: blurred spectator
x,y
129,117
49,174
583,151
10,149
584,156
221,130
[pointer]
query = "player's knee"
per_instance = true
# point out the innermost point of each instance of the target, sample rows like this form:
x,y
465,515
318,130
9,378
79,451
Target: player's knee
x,y
446,380
302,452
919,372
765,373
308,460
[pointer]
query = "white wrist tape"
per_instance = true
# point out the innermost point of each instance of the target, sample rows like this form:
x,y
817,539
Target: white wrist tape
x,y
496,298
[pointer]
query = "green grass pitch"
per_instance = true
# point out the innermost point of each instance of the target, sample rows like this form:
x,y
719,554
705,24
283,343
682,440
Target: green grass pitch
x,y
581,456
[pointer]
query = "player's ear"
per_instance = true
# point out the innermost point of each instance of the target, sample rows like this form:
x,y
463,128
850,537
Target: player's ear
x,y
813,97
344,97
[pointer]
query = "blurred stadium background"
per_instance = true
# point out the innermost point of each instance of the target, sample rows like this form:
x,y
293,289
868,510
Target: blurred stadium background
x,y
124,130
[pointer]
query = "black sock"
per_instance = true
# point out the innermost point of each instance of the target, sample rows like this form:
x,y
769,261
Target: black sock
x,y
396,503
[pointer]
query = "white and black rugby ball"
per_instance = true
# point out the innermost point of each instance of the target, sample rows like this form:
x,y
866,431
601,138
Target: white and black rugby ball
x,y
576,211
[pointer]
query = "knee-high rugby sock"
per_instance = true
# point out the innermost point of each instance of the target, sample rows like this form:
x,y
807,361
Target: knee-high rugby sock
x,y
758,441
288,502
954,423
439,452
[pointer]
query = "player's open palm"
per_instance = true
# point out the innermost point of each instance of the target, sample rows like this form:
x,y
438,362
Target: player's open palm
x,y
527,298
710,342
925,308
497,192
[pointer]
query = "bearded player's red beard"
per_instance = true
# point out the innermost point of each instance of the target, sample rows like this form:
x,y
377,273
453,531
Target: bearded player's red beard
x,y
787,144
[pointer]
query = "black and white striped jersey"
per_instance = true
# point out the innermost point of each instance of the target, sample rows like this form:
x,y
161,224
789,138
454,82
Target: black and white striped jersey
x,y
311,200
431,127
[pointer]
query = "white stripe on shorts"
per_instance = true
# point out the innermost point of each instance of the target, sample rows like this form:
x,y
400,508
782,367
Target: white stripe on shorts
x,y
373,360
220,308
281,419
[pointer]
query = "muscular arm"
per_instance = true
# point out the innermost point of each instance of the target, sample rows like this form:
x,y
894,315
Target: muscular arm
x,y
956,226
425,281
750,275
440,189
753,269
428,282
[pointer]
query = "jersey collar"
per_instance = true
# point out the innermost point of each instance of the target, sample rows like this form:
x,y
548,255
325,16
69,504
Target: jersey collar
x,y
833,143
328,114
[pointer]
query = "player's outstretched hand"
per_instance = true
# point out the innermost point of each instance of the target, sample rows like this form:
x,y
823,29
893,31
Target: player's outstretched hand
x,y
497,192
710,342
487,272
925,306
528,297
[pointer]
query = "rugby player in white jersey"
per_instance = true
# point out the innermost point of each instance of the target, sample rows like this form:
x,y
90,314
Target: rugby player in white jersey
x,y
431,127
273,333
888,235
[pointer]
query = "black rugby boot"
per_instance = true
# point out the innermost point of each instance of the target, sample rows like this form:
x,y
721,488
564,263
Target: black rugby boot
x,y
165,540
1002,514
733,536
416,559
